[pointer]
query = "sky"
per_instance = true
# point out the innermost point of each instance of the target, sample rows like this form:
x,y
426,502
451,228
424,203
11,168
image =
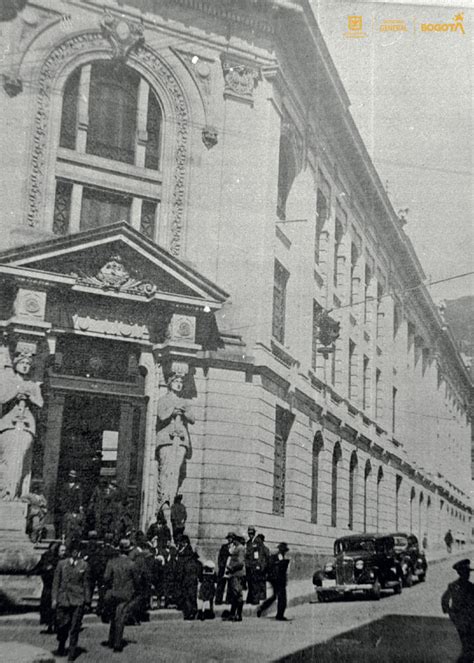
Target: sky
x,y
412,100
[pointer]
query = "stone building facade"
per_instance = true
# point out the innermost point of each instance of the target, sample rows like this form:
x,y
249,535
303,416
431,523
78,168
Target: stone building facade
x,y
185,187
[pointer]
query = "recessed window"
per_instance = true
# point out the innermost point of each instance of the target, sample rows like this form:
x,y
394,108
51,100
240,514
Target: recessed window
x,y
109,114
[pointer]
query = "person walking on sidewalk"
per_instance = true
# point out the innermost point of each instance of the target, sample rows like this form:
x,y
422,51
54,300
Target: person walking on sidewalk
x,y
122,583
458,602
278,577
71,595
448,539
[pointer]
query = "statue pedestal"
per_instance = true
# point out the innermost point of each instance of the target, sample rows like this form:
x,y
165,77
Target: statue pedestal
x,y
17,552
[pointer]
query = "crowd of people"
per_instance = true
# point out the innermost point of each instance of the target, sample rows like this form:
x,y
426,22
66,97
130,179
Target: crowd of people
x,y
156,569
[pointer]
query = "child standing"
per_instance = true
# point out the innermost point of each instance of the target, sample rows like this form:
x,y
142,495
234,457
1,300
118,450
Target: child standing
x,y
207,591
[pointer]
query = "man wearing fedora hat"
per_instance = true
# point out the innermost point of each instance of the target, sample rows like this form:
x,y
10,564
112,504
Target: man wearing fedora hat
x,y
222,558
72,508
71,594
122,582
278,577
458,602
235,571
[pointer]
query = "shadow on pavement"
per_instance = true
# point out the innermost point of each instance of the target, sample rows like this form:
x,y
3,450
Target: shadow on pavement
x,y
391,639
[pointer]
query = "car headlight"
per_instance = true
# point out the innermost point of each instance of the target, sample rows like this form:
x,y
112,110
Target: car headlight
x,y
359,564
329,567
420,561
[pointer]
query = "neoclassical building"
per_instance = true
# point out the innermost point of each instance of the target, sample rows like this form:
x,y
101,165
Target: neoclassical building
x,y
186,190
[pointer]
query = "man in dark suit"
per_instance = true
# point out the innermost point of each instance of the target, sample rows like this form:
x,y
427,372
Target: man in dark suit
x,y
221,566
122,583
71,594
278,577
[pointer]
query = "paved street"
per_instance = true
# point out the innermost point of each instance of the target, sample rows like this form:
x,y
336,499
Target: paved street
x,y
405,628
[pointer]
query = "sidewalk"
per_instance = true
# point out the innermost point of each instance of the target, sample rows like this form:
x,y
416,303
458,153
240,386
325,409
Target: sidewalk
x,y
298,592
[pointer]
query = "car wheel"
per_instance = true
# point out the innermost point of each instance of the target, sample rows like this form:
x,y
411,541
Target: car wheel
x,y
408,580
376,591
398,588
422,577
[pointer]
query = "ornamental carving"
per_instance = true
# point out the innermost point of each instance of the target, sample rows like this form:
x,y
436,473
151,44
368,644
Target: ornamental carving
x,y
209,136
123,35
113,275
240,80
57,59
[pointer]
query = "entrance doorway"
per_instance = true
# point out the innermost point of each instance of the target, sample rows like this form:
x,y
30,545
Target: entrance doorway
x,y
89,441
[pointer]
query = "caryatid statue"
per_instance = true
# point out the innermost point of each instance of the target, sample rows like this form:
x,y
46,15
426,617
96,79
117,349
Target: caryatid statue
x,y
18,396
173,443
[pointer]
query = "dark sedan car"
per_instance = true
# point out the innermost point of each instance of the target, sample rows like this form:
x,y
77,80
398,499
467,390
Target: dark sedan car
x,y
363,563
411,558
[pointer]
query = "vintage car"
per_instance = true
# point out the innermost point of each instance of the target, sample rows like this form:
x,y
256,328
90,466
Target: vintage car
x,y
412,560
363,563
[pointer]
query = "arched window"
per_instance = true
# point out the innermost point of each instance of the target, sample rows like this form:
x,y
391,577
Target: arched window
x,y
336,457
108,162
367,473
352,487
317,446
398,483
420,515
412,501
286,171
379,489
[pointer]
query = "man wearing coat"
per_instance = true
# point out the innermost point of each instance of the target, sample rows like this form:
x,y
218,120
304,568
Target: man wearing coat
x,y
122,583
235,571
71,594
458,602
278,577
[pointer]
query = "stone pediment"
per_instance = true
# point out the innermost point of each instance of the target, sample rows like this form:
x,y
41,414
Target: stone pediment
x,y
115,260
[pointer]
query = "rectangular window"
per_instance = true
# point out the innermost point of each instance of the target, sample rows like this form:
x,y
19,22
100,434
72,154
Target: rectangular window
x,y
62,207
352,370
354,259
410,337
112,112
322,212
283,422
279,302
101,207
366,383
314,348
394,409
338,235
69,112
397,319
367,280
380,293
148,219
378,394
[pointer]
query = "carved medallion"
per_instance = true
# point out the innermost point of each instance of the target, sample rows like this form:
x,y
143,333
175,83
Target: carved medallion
x,y
123,35
113,275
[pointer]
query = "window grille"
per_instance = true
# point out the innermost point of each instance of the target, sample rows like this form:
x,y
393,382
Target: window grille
x,y
147,221
283,423
62,207
279,302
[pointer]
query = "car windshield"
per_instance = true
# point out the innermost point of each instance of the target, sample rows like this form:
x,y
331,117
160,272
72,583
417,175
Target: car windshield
x,y
400,542
355,545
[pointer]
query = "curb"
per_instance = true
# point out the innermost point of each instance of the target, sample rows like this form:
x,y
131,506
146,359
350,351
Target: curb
x,y
32,618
